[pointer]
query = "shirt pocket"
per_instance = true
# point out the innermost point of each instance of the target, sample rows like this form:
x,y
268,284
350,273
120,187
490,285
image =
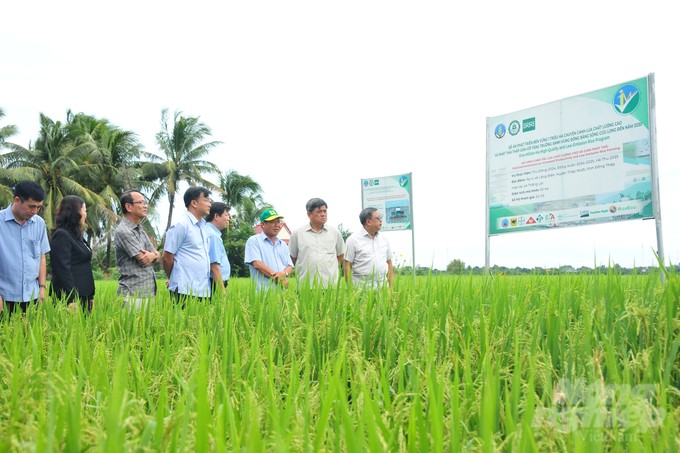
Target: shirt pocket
x,y
34,248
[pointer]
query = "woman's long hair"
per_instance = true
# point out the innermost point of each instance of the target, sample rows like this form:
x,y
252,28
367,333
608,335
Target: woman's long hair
x,y
68,215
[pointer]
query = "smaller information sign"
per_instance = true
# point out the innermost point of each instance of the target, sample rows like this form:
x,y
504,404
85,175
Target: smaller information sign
x,y
391,196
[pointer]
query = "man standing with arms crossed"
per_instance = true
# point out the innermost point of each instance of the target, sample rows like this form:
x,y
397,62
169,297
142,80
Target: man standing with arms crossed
x,y
317,249
185,256
220,269
23,245
135,254
369,257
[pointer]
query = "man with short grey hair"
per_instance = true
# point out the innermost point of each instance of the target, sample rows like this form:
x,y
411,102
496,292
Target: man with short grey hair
x,y
368,260
317,249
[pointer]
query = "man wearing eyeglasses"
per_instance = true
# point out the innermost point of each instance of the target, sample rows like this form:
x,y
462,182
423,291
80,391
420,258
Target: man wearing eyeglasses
x,y
23,249
267,256
135,254
368,260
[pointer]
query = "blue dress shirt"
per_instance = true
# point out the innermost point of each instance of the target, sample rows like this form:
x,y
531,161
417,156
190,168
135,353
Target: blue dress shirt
x,y
21,247
188,241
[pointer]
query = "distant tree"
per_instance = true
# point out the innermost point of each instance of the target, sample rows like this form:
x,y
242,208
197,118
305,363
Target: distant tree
x,y
6,180
243,194
235,244
237,188
345,233
456,267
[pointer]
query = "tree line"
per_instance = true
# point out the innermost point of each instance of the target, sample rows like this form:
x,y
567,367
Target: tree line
x,y
96,160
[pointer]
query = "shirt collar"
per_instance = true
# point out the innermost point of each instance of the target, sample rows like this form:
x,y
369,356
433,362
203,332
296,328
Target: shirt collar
x,y
9,215
309,228
193,218
264,238
210,225
132,225
365,233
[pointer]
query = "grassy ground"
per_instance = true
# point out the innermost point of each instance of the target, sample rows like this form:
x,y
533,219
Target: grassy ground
x,y
535,363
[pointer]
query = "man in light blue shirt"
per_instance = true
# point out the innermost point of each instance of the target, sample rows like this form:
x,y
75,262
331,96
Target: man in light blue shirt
x,y
186,259
267,256
23,245
220,269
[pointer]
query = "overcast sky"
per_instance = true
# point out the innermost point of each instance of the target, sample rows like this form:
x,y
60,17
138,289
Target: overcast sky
x,y
310,97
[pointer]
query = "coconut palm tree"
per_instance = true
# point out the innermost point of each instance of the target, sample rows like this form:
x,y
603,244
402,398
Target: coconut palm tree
x,y
59,161
5,175
6,131
116,157
243,194
183,147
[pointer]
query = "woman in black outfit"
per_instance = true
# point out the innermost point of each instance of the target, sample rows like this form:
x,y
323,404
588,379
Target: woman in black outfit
x,y
72,277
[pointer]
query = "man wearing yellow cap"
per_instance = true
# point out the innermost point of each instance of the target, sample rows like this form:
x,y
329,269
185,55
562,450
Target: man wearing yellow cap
x,y
267,256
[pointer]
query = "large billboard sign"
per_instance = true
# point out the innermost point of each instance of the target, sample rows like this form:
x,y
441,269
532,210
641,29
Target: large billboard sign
x,y
580,160
392,197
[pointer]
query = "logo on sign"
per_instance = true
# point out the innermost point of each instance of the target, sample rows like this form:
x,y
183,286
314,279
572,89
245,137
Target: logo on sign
x,y
626,99
499,132
529,124
514,128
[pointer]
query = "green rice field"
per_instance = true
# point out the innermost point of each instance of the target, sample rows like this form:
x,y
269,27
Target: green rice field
x,y
446,363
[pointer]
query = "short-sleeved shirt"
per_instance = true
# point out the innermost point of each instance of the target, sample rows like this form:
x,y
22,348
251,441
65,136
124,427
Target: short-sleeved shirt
x,y
217,252
21,248
135,279
188,241
316,254
369,257
276,255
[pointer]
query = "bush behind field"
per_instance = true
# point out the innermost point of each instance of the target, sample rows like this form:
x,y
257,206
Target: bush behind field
x,y
542,363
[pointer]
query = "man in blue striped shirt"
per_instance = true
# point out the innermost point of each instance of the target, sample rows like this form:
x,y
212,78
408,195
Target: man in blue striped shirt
x,y
23,246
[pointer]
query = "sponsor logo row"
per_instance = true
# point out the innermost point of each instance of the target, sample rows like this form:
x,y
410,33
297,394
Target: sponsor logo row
x,y
555,218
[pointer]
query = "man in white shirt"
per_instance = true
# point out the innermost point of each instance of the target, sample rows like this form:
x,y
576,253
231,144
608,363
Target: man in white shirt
x,y
317,249
368,260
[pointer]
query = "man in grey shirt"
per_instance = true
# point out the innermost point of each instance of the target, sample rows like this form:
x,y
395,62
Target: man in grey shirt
x,y
135,254
317,249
